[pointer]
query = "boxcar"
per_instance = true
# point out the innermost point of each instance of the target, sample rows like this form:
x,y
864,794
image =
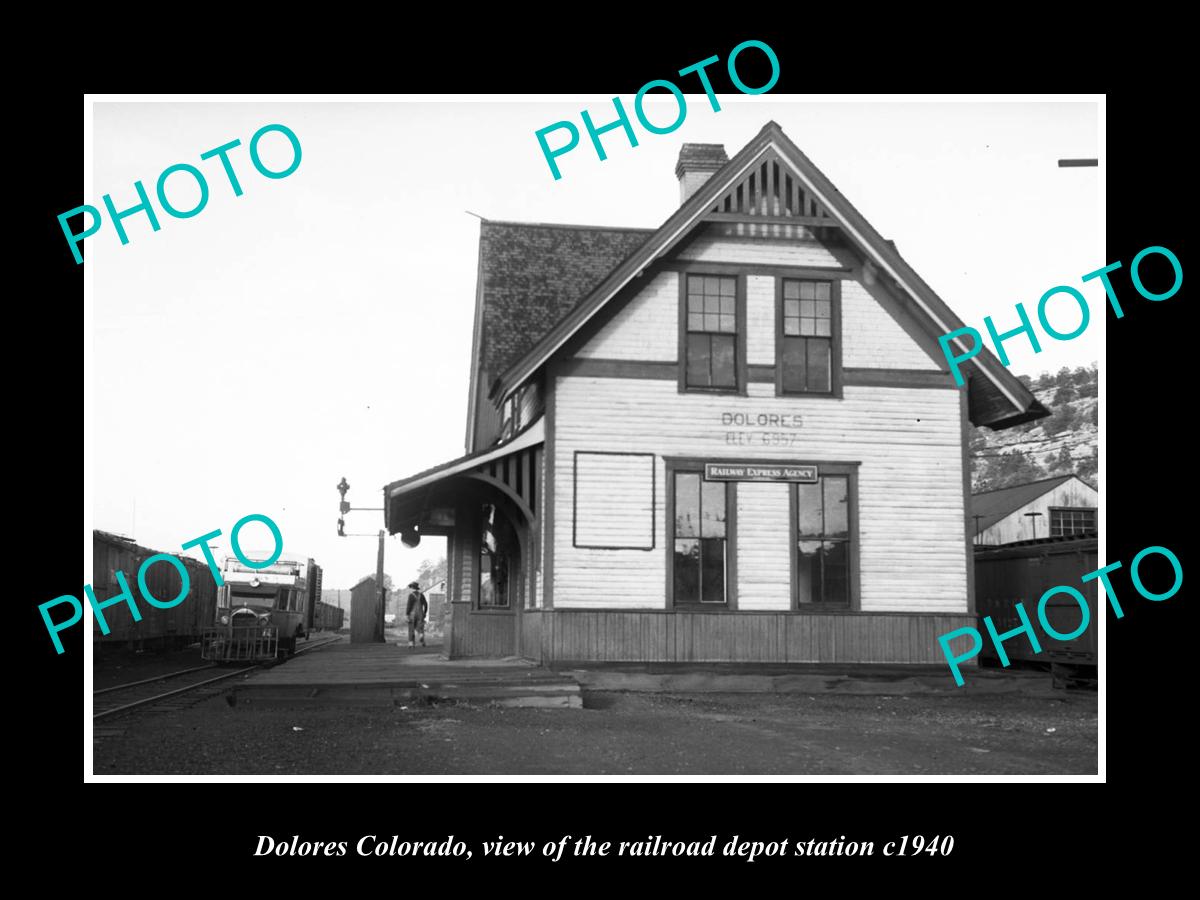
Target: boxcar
x,y
159,628
1022,572
328,617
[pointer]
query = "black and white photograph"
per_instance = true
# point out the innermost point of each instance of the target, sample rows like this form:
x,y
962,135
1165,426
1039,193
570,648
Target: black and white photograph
x,y
682,434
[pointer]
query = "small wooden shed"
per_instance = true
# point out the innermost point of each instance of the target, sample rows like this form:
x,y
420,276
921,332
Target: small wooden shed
x,y
364,612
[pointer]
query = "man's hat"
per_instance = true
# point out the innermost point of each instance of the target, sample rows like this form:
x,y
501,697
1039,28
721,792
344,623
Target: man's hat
x,y
413,584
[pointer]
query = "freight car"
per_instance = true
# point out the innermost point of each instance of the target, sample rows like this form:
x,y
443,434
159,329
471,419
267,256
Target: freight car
x,y
159,628
327,617
1022,572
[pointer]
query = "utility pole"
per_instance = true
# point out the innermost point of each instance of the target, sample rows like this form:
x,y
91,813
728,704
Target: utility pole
x,y
1033,517
382,589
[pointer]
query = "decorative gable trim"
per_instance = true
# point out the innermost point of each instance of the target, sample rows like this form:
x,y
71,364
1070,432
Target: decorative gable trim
x,y
770,190
667,236
755,174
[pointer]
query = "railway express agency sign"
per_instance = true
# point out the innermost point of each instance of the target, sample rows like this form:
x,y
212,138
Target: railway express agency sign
x,y
753,471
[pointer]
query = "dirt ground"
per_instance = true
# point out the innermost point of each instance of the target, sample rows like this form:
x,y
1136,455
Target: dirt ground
x,y
617,733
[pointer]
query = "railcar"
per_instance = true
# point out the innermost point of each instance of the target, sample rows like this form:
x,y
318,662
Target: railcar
x,y
328,617
262,612
1022,572
178,626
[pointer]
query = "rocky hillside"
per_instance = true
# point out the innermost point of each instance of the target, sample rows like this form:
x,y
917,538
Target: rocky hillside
x,y
1064,442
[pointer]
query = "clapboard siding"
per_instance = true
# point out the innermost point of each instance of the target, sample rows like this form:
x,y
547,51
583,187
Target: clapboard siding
x,y
763,547
643,636
614,500
760,320
908,441
872,339
587,576
646,329
709,248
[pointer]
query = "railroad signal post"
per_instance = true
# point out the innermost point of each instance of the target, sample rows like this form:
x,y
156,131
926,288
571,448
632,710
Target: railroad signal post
x,y
344,507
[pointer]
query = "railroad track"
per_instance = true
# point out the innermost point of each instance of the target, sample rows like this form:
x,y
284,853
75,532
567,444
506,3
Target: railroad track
x,y
199,679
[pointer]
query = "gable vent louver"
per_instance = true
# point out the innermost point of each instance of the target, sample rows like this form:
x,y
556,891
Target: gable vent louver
x,y
770,190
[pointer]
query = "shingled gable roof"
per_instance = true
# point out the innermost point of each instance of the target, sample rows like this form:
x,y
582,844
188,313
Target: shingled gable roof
x,y
936,316
992,506
532,275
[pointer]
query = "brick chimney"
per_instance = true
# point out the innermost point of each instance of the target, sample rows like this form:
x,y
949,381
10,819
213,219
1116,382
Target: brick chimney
x,y
697,162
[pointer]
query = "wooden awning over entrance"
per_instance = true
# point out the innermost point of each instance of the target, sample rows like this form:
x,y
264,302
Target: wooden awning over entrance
x,y
424,503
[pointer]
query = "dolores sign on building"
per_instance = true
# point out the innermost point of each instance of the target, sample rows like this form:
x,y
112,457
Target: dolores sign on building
x,y
758,472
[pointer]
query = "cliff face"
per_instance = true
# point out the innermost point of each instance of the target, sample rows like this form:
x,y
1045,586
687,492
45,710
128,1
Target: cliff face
x,y
1064,442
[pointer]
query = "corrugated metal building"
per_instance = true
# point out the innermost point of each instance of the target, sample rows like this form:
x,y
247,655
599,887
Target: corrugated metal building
x,y
733,437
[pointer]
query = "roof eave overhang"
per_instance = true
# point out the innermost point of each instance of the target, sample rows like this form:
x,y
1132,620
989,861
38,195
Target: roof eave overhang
x,y
1035,411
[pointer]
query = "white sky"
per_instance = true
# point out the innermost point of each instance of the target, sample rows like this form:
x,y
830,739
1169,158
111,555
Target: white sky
x,y
320,324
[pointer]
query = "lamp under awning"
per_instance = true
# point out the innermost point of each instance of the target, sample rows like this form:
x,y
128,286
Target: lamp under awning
x,y
425,502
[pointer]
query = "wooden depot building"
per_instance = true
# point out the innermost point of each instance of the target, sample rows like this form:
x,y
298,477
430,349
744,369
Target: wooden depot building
x,y
730,438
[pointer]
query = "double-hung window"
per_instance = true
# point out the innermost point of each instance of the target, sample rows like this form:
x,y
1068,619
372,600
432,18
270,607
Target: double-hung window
x,y
700,540
808,324
823,542
710,333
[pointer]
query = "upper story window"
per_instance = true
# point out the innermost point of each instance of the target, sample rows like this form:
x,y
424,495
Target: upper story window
x,y
508,418
808,357
711,333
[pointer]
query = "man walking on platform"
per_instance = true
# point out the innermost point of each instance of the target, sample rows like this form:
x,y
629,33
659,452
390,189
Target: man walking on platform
x,y
418,608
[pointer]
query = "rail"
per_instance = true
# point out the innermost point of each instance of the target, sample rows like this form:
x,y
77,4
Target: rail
x,y
189,687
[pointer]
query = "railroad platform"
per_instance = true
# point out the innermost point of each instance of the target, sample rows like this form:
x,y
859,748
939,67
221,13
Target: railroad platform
x,y
392,673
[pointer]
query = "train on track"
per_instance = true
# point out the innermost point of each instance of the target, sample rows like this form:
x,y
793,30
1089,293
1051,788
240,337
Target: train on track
x,y
1023,571
165,629
262,612
328,617
283,600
